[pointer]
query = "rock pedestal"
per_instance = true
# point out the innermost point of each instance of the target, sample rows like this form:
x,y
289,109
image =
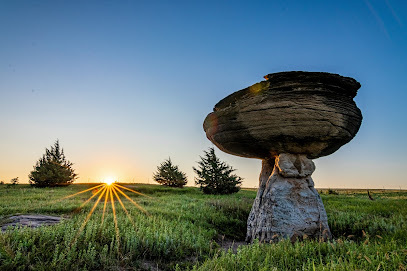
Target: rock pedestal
x,y
287,204
285,121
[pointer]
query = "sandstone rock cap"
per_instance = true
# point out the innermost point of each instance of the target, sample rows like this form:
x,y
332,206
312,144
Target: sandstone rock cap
x,y
310,113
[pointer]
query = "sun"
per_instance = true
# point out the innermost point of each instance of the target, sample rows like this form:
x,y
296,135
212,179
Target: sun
x,y
109,180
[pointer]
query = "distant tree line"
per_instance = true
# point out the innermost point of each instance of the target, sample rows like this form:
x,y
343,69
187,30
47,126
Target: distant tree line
x,y
13,182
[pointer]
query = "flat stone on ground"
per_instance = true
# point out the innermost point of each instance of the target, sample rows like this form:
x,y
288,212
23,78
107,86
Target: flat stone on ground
x,y
33,221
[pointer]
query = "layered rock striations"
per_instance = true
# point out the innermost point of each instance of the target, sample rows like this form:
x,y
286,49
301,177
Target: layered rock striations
x,y
310,113
287,120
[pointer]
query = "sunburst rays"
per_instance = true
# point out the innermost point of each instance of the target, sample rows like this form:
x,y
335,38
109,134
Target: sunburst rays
x,y
105,204
108,191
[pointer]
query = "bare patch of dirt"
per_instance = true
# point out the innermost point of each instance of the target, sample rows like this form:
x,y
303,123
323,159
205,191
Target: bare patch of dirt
x,y
150,266
226,243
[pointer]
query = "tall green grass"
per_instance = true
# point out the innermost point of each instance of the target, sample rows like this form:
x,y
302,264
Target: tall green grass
x,y
368,235
312,255
183,226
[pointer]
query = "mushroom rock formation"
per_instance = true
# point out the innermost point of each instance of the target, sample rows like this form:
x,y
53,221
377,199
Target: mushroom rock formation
x,y
287,120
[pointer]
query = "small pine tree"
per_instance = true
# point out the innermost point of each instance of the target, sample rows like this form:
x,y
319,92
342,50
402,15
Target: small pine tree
x,y
52,169
214,176
169,175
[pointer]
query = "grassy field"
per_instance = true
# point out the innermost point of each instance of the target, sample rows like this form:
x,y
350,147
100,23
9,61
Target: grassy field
x,y
185,229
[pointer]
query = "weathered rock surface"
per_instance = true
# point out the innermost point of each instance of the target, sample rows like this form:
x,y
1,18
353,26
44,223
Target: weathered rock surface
x,y
287,204
311,113
32,221
285,121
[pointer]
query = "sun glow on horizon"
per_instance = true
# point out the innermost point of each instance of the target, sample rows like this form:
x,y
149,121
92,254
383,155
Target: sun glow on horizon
x,y
109,180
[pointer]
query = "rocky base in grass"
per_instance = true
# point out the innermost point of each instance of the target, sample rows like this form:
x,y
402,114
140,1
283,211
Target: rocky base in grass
x,y
287,205
33,221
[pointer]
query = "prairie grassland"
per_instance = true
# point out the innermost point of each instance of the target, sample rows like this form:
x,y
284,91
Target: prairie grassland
x,y
184,230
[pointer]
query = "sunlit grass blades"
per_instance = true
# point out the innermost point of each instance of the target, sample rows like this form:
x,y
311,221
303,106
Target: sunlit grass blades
x,y
109,191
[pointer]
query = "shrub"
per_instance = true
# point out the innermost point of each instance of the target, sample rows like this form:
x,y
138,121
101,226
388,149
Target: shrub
x,y
14,181
52,169
215,176
169,175
332,192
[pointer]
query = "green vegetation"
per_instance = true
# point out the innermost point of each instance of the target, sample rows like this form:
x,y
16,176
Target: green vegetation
x,y
169,175
185,230
52,169
368,235
215,176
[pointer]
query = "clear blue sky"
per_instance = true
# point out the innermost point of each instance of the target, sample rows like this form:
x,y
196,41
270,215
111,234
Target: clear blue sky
x,y
126,84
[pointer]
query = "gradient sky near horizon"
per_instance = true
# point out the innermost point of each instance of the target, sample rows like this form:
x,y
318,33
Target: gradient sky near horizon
x,y
126,84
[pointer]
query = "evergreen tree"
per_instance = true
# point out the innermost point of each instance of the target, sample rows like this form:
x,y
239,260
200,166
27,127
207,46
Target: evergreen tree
x,y
215,176
52,169
169,175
